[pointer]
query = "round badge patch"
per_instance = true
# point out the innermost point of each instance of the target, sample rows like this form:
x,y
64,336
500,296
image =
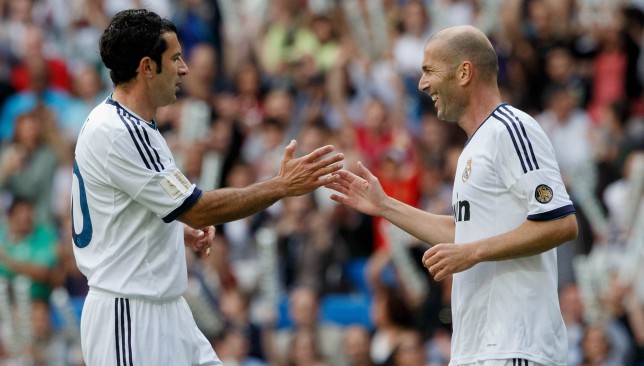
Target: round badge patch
x,y
543,193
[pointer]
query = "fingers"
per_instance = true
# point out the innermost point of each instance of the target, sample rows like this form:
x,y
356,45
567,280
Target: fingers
x,y
209,234
317,153
336,186
197,235
428,257
339,199
289,150
328,169
364,172
206,240
328,165
432,263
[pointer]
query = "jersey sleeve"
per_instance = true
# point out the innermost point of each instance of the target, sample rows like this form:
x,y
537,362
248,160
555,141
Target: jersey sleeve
x,y
150,178
526,164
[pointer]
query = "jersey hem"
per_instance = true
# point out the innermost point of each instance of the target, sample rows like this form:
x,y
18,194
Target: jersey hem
x,y
504,356
94,291
189,202
554,214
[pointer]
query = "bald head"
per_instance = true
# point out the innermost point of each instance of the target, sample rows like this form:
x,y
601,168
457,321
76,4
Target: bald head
x,y
466,43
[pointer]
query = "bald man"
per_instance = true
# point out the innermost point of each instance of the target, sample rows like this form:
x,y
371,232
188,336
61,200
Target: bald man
x,y
510,212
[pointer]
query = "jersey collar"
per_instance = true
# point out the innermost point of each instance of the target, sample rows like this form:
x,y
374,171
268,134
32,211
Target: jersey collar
x,y
485,120
111,101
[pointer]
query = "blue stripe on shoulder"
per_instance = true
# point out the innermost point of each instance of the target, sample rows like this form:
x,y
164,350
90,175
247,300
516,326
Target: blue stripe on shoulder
x,y
525,134
142,142
136,143
189,202
554,214
519,137
516,147
135,126
156,153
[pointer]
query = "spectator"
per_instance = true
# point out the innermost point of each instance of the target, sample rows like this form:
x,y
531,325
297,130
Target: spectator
x,y
28,248
572,312
392,318
304,350
410,350
235,308
304,242
416,28
29,163
33,52
303,310
40,94
564,121
597,348
233,348
357,342
286,40
87,91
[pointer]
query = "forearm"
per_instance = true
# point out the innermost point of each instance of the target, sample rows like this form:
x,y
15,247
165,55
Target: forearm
x,y
531,238
428,227
229,204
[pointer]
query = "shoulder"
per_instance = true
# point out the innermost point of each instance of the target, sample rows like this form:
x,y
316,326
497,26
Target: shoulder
x,y
505,117
514,125
102,127
103,119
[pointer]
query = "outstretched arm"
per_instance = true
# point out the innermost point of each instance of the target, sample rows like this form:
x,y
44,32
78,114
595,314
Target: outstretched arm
x,y
365,194
296,177
532,237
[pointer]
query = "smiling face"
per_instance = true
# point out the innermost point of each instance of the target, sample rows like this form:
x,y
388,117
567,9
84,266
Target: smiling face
x,y
165,84
440,82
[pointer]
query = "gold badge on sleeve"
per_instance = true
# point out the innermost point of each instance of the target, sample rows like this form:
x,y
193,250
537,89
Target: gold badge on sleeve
x,y
543,193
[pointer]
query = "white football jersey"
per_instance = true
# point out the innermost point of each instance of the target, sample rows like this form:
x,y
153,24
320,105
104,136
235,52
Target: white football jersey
x,y
507,173
126,194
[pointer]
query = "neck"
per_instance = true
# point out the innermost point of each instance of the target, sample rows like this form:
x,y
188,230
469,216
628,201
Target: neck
x,y
480,109
135,100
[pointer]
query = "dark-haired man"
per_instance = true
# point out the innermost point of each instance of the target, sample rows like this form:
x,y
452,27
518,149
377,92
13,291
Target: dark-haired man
x,y
129,199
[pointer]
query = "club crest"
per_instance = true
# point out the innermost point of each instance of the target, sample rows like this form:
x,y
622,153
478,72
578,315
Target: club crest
x,y
543,193
467,172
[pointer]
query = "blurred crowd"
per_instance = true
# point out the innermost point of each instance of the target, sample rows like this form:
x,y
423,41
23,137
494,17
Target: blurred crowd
x,y
309,282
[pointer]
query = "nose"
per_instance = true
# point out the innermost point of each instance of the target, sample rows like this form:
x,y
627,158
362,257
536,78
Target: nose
x,y
423,83
183,69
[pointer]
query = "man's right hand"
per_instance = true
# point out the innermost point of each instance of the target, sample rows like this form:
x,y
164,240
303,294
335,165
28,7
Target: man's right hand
x,y
309,172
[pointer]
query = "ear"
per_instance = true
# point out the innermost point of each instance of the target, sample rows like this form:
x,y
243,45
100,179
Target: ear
x,y
465,72
147,67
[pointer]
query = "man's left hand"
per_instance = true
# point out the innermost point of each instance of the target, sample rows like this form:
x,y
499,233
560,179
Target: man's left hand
x,y
200,240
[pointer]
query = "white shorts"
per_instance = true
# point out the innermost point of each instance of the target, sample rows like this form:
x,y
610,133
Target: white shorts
x,y
117,331
506,362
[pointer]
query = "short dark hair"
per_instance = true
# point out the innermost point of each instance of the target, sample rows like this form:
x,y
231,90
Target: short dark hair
x,y
132,35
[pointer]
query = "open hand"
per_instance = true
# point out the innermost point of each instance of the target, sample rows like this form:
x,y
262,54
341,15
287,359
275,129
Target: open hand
x,y
309,172
363,193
